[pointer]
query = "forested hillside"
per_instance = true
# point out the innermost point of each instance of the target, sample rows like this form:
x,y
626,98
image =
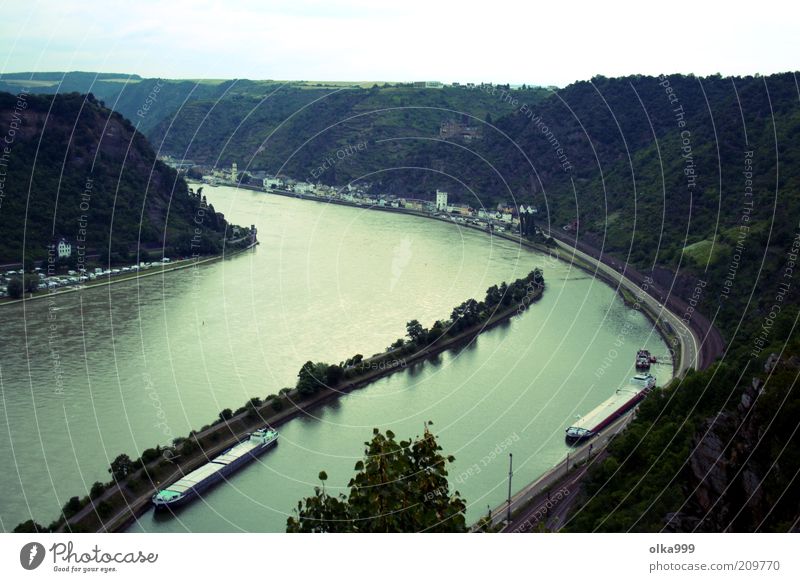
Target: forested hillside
x,y
77,170
716,451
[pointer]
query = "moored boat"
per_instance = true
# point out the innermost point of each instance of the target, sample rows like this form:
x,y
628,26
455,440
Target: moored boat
x,y
623,400
643,360
192,484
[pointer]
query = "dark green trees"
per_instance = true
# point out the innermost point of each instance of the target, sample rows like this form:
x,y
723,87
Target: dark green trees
x,y
30,526
121,467
31,283
465,315
398,487
311,377
333,374
15,288
416,333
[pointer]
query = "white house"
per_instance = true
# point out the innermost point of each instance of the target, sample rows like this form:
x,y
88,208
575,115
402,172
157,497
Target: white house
x,y
64,249
304,188
441,201
272,183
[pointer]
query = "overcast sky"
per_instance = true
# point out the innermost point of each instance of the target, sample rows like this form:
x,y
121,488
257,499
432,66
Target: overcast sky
x,y
535,42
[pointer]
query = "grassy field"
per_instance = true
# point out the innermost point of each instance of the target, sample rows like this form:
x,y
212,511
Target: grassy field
x,y
705,251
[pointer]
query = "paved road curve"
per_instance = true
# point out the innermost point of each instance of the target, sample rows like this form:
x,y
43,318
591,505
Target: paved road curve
x,y
549,498
688,341
709,343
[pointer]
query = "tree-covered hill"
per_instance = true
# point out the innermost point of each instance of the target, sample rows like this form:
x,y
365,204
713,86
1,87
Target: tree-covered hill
x,y
716,451
690,179
74,169
293,128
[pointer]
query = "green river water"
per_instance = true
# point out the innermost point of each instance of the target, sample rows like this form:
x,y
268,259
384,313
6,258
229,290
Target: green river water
x,y
88,375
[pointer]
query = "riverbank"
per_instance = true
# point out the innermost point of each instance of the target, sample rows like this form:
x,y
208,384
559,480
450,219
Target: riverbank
x,y
132,493
630,285
176,266
631,290
637,291
525,505
571,469
124,501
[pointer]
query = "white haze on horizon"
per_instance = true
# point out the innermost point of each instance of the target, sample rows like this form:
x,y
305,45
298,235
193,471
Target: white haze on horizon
x,y
359,40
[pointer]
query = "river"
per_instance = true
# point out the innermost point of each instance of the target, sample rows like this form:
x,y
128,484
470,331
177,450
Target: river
x,y
85,376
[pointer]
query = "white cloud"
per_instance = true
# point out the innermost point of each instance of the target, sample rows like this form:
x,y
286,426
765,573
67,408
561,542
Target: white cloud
x,y
545,43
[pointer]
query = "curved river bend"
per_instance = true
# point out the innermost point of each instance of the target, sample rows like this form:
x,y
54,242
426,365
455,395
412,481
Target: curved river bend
x,y
122,368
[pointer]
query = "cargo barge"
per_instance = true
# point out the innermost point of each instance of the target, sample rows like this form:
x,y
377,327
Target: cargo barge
x,y
623,400
191,485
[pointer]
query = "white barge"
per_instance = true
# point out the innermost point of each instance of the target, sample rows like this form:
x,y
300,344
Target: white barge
x,y
191,485
623,400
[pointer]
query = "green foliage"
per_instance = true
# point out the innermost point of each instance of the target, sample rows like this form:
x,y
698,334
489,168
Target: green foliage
x,y
97,490
109,193
15,288
311,378
333,374
189,447
400,486
354,361
72,507
30,526
253,406
150,455
121,467
31,283
465,315
416,333
202,127
654,470
105,509
226,414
